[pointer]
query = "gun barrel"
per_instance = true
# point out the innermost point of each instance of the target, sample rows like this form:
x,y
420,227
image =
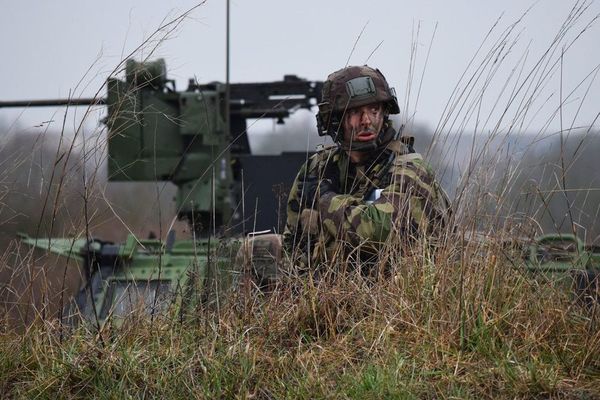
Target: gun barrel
x,y
261,113
52,102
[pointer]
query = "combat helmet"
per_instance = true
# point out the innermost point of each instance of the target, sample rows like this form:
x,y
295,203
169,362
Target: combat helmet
x,y
351,87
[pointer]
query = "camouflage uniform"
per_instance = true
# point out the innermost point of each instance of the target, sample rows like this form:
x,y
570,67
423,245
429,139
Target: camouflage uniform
x,y
390,197
393,195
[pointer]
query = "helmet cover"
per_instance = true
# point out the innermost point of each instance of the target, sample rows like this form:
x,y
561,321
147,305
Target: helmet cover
x,y
351,87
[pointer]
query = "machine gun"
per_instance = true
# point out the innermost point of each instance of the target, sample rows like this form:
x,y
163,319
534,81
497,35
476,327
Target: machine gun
x,y
191,138
196,139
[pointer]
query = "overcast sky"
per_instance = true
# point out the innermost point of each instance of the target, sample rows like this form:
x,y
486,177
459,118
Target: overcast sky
x,y
50,48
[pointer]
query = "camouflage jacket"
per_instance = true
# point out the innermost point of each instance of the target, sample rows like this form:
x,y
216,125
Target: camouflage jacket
x,y
394,194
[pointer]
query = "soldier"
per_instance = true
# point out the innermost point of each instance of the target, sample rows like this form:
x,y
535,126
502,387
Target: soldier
x,y
351,199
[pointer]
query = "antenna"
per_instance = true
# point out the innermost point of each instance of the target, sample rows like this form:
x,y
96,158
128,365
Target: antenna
x,y
227,86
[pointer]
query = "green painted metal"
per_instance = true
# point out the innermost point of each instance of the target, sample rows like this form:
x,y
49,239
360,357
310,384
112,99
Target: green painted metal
x,y
160,279
560,253
147,276
65,247
565,261
159,134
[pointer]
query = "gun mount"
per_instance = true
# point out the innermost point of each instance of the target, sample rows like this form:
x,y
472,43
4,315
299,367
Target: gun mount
x,y
156,133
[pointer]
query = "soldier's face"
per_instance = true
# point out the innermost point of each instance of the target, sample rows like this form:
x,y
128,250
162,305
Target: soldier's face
x,y
363,124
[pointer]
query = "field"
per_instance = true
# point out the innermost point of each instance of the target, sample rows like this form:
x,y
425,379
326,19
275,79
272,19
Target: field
x,y
461,320
466,325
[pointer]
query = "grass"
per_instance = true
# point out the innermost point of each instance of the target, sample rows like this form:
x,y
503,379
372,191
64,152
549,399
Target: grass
x,y
344,337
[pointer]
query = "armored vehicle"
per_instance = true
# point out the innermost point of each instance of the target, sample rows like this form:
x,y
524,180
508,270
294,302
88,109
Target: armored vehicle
x,y
196,139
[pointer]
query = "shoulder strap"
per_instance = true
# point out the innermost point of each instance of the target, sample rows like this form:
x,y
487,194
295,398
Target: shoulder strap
x,y
403,151
321,147
402,158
